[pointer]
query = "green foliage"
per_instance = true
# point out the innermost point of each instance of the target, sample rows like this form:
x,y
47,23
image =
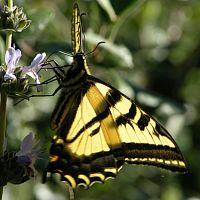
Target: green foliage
x,y
151,53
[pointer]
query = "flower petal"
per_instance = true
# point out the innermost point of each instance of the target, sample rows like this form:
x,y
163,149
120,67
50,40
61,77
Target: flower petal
x,y
11,59
26,145
34,67
31,74
28,154
9,54
12,56
38,60
9,76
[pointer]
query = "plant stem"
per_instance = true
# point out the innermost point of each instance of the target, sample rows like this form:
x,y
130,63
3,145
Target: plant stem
x,y
3,103
10,4
2,120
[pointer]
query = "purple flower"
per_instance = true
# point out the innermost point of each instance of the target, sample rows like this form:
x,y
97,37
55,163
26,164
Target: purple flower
x,y
34,67
19,167
28,154
11,59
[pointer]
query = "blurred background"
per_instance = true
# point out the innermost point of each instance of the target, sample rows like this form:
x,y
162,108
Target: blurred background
x,y
151,53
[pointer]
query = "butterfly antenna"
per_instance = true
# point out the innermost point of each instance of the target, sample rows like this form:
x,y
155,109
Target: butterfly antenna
x,y
98,44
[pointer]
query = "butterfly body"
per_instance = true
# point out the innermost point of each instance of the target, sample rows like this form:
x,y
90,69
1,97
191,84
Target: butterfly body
x,y
74,85
99,129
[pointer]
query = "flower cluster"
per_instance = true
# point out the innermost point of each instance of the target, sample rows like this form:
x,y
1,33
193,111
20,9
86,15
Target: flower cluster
x,y
13,20
11,59
13,80
18,167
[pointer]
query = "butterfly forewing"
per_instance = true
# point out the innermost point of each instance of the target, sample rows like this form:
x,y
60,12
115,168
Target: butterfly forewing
x,y
99,129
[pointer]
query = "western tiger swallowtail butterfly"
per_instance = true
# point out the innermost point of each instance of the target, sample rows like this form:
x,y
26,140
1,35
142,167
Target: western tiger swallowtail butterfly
x,y
99,129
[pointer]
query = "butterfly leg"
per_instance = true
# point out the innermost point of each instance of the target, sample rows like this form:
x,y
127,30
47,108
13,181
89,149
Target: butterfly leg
x,y
41,95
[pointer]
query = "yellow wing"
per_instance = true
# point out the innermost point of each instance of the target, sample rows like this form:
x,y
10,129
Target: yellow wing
x,y
100,130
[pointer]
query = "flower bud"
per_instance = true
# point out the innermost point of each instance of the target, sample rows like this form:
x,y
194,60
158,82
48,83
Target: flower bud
x,y
14,20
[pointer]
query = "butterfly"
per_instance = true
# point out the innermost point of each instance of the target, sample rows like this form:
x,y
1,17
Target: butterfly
x,y
99,129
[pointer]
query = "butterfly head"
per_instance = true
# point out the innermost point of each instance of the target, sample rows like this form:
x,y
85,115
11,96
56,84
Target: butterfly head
x,y
79,62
